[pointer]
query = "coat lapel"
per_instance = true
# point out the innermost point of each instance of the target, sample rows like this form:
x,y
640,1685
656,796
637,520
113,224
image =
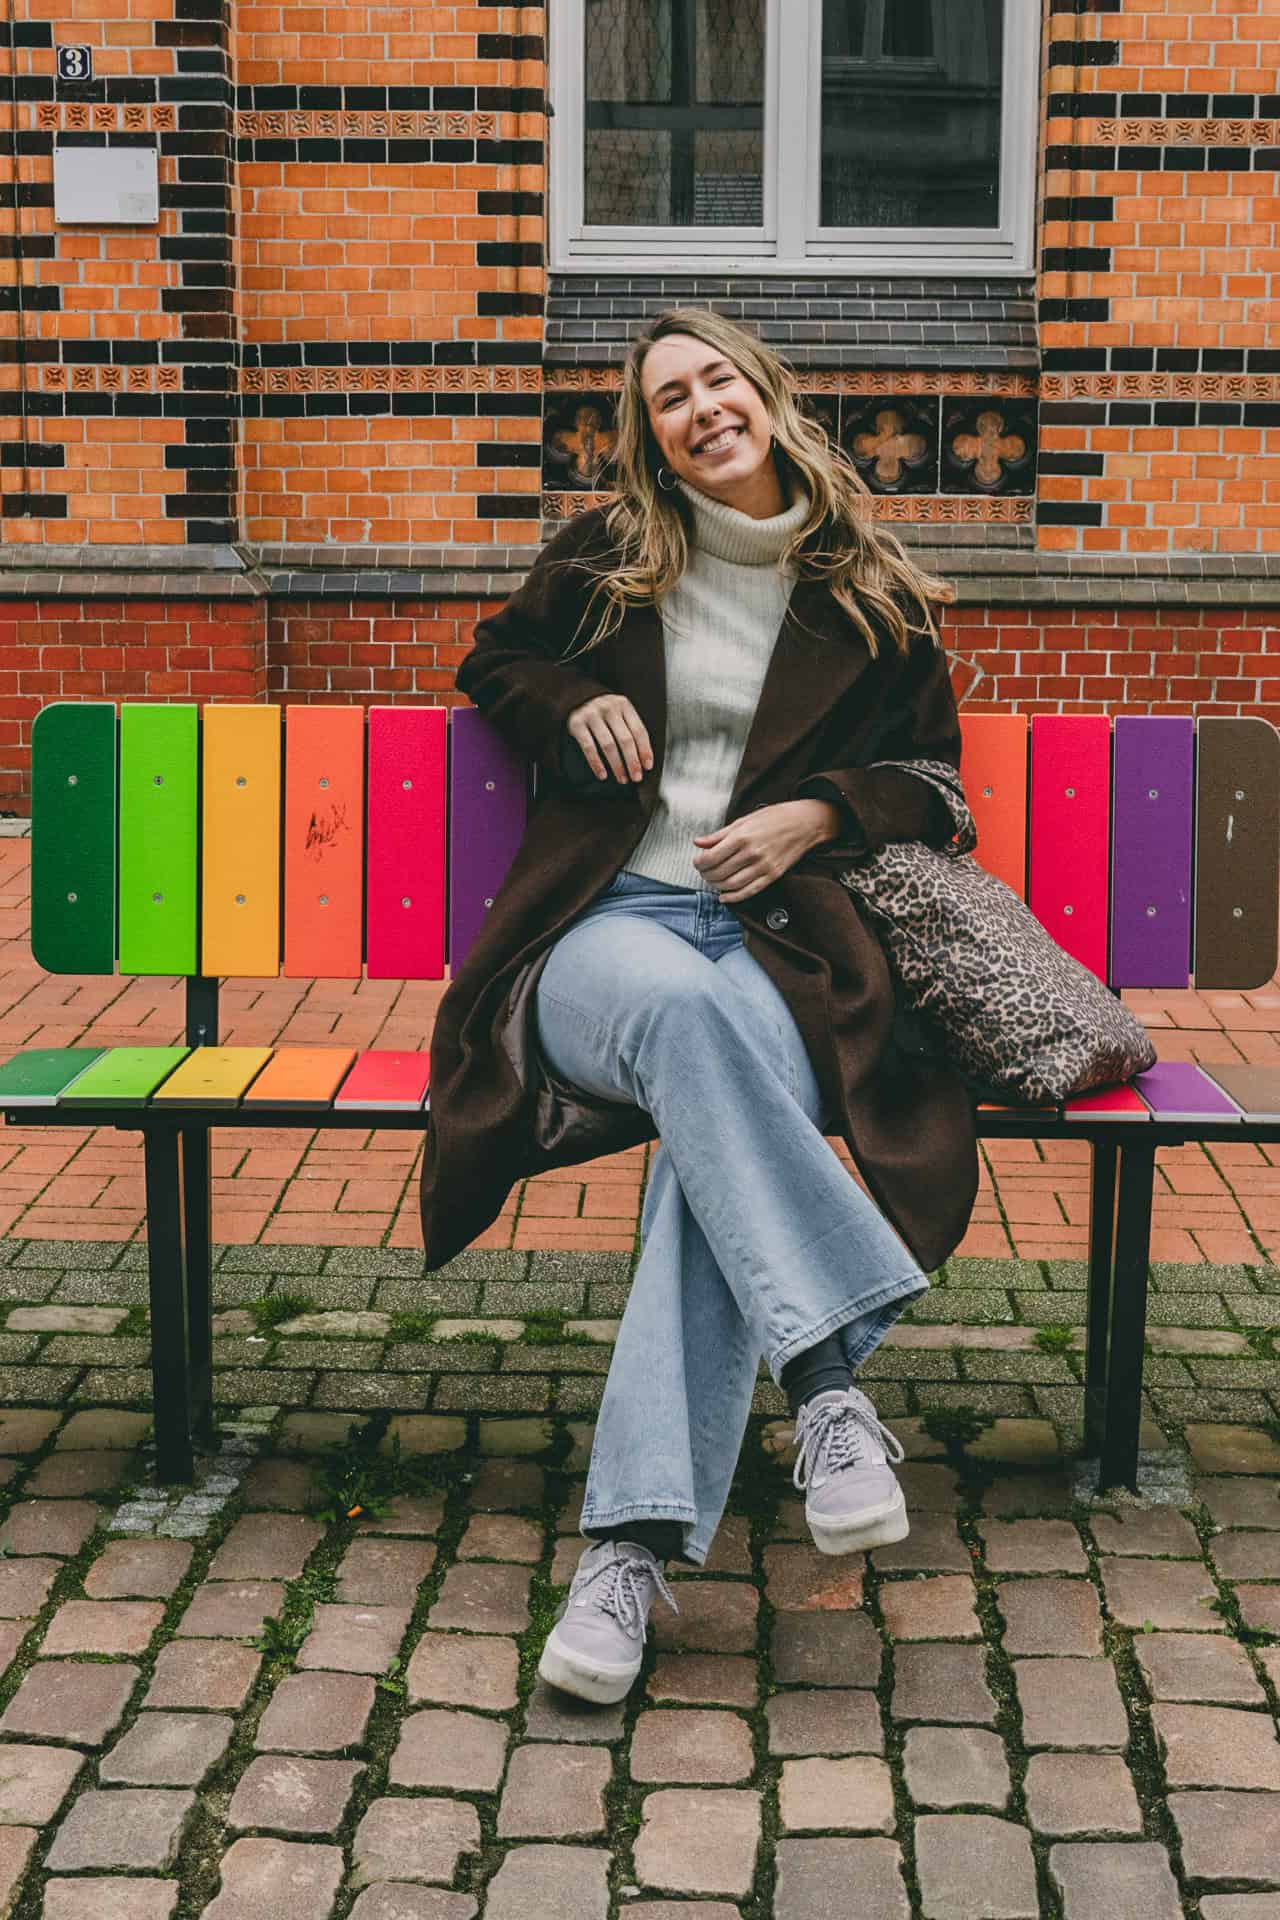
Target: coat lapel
x,y
640,671
818,656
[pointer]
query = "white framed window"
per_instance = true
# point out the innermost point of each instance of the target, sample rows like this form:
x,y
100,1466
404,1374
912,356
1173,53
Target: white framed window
x,y
749,136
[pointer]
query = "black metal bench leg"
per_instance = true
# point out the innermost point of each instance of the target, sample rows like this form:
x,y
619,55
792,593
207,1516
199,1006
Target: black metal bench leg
x,y
1128,1317
166,1262
197,1217
1102,1240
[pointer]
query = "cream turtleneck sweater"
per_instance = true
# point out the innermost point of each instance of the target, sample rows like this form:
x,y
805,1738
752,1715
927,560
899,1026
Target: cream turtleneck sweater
x,y
719,625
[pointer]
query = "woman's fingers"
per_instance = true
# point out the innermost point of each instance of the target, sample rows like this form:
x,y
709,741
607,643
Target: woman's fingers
x,y
612,737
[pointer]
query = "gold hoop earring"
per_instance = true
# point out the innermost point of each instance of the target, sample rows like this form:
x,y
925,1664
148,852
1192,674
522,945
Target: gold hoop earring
x,y
670,484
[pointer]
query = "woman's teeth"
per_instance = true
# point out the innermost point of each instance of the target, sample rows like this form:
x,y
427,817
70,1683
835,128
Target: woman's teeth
x,y
721,441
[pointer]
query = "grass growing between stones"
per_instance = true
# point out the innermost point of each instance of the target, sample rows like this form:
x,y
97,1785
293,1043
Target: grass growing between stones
x,y
274,1308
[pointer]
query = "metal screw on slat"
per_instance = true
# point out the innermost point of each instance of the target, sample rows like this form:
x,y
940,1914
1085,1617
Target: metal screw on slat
x,y
407,785
1237,913
1151,913
488,903
986,793
241,781
157,899
239,899
1239,794
73,779
1068,909
1071,793
324,899
73,897
1153,793
158,781
324,782
406,902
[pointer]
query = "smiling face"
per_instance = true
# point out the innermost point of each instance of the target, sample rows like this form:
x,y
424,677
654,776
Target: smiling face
x,y
711,426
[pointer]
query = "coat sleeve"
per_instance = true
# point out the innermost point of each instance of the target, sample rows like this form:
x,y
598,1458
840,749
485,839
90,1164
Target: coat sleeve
x,y
919,722
514,673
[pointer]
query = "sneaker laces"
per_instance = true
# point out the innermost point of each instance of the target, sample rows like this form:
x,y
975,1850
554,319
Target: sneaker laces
x,y
833,1434
621,1587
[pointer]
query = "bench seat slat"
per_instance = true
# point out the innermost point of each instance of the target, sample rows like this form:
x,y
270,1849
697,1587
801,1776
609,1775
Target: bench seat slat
x,y
1121,1104
993,765
213,1077
1178,1090
1255,1090
124,1077
240,842
323,843
37,1077
300,1077
159,804
488,792
383,1077
1071,832
404,925
73,852
1151,851
1237,850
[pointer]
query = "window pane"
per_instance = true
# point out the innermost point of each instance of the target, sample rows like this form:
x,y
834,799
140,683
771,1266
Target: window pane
x,y
675,112
911,97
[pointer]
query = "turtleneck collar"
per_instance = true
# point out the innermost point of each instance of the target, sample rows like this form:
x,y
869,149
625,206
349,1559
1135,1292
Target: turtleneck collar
x,y
729,535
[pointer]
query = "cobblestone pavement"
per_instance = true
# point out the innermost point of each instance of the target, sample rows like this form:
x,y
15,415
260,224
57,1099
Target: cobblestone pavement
x,y
287,1186
306,1687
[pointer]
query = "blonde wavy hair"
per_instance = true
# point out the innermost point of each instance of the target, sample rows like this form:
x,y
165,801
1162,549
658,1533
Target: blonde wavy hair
x,y
866,567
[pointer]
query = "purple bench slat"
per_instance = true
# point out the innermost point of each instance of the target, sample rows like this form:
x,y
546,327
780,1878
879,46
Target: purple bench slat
x,y
1151,853
488,788
1178,1090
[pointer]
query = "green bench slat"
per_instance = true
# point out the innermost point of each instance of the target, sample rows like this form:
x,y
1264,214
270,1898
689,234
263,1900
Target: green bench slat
x,y
159,799
73,850
37,1077
126,1077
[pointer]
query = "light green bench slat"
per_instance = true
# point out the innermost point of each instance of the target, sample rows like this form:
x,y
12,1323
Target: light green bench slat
x,y
37,1077
159,797
73,838
125,1077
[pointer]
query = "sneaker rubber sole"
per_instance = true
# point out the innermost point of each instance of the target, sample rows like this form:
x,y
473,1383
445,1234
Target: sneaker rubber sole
x,y
603,1682
880,1526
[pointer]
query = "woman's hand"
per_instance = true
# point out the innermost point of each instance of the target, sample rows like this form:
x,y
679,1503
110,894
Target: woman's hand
x,y
750,854
608,728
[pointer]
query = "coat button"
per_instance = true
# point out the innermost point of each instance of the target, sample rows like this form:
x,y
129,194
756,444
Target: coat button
x,y
777,919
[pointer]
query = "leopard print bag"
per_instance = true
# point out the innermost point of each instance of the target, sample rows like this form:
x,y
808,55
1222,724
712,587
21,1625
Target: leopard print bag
x,y
1021,1020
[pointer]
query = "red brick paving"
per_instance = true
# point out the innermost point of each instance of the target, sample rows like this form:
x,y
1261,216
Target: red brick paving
x,y
284,1185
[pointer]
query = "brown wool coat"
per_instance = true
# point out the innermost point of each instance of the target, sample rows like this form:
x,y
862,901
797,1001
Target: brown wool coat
x,y
825,710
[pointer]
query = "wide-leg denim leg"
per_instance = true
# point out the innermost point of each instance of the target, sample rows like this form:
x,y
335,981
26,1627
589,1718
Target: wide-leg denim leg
x,y
755,1238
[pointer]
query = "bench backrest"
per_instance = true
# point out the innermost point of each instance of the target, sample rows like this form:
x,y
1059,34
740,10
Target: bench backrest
x,y
314,841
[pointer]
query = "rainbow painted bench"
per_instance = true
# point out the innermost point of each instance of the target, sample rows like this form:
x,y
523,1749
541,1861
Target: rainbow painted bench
x,y
327,842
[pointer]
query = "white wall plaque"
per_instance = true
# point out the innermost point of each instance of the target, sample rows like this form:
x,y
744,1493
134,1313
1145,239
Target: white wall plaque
x,y
105,186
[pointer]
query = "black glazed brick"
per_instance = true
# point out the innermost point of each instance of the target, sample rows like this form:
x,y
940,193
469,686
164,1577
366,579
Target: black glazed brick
x,y
892,440
989,445
579,436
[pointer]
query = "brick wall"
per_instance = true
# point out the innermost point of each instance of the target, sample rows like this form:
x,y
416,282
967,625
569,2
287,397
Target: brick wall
x,y
1160,389
105,650
389,263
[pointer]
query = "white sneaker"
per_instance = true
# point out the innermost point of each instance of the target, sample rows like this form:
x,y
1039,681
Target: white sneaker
x,y
852,1499
597,1644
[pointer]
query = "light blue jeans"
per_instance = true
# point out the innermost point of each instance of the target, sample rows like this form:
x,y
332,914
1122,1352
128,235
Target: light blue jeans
x,y
756,1240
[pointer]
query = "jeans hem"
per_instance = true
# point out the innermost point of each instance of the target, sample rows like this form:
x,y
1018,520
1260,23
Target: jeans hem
x,y
892,1292
640,1510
